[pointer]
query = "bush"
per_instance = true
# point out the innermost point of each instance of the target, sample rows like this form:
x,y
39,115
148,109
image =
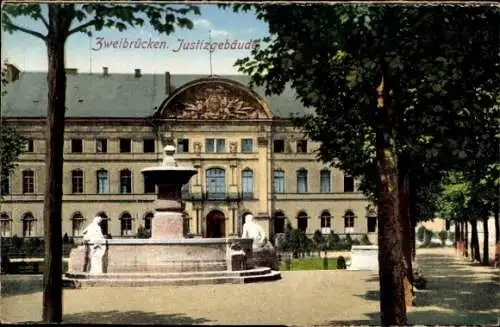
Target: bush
x,y
143,233
421,234
365,240
428,235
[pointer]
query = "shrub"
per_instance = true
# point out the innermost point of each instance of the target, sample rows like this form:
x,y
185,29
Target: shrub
x,y
143,233
365,240
443,236
421,233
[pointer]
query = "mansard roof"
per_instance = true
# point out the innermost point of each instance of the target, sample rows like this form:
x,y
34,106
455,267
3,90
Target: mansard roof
x,y
126,96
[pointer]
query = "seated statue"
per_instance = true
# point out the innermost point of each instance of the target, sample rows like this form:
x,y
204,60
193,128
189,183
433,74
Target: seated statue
x,y
253,230
93,234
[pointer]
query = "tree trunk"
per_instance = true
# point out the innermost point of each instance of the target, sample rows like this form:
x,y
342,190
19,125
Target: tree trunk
x,y
486,254
474,242
497,223
56,79
404,193
390,238
466,238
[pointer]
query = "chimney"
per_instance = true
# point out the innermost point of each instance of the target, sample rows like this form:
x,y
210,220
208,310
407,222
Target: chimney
x,y
168,87
137,72
105,71
12,73
71,71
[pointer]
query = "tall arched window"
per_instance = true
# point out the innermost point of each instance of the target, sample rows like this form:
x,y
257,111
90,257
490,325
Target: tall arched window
x,y
28,224
5,225
247,184
102,181
325,181
302,221
77,181
279,181
326,222
104,223
279,222
28,181
77,222
216,184
126,224
125,181
348,183
147,220
349,221
302,181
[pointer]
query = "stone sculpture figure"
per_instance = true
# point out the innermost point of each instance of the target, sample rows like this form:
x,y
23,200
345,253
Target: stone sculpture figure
x,y
92,235
252,230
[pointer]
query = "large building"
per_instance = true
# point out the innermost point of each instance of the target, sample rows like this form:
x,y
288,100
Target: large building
x,y
249,157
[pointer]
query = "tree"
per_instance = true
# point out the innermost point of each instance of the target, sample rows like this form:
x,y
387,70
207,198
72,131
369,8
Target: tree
x,y
383,82
61,21
11,143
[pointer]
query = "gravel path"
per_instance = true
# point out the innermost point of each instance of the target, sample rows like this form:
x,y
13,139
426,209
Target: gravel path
x,y
457,294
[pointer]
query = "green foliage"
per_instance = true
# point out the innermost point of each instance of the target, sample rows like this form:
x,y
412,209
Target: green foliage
x,y
443,236
421,233
143,233
365,240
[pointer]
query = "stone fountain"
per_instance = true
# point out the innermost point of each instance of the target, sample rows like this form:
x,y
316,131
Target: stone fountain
x,y
168,257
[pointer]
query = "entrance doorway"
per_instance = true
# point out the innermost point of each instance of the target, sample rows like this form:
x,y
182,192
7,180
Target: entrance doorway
x,y
216,224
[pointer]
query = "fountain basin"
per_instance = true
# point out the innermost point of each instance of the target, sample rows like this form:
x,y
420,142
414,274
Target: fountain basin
x,y
169,175
164,256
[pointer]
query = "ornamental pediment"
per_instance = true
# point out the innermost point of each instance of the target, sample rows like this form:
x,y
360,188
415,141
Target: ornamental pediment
x,y
214,99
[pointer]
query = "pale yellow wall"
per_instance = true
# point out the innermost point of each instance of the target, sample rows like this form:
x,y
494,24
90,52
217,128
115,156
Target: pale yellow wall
x,y
262,161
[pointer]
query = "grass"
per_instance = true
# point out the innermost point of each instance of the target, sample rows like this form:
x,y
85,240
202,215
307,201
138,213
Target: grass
x,y
309,264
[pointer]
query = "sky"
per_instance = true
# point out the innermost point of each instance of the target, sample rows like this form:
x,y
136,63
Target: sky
x,y
29,53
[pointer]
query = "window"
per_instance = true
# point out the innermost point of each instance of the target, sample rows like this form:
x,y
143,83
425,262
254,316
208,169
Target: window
x,y
28,225
372,224
182,145
326,219
125,145
77,222
246,145
279,222
77,181
5,225
76,145
216,184
348,184
149,185
28,181
279,146
126,224
29,146
104,223
247,184
302,146
125,181
102,181
302,221
147,220
279,181
302,181
5,185
101,145
148,146
215,145
349,221
325,181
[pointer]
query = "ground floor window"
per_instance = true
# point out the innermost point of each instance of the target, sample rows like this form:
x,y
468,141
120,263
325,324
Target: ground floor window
x,y
349,221
5,225
78,224
372,224
302,222
28,225
126,224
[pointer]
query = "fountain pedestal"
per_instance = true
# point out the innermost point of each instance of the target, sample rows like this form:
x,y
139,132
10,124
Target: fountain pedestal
x,y
168,221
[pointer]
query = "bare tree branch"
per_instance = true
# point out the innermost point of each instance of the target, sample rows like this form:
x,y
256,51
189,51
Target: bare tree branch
x,y
25,30
81,27
44,21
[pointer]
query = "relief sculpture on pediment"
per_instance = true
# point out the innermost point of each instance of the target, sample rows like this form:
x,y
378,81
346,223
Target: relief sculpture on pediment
x,y
214,102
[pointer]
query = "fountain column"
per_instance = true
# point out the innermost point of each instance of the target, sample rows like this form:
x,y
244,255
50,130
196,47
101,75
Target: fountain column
x,y
168,219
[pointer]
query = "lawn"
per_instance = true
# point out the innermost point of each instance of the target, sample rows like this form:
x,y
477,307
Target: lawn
x,y
309,264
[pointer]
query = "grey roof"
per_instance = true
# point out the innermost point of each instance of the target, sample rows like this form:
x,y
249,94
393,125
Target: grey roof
x,y
117,95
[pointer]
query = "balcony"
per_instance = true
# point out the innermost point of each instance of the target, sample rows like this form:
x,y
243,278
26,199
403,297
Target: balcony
x,y
217,196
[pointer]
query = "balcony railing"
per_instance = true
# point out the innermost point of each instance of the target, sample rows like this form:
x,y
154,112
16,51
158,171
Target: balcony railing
x,y
217,196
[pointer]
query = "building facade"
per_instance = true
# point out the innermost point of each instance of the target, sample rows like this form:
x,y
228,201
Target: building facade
x,y
249,157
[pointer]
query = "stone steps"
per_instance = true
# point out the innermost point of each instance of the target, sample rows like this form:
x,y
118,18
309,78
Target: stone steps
x,y
193,278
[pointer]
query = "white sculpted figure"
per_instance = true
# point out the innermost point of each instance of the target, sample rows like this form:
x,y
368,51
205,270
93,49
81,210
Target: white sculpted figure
x,y
93,234
253,230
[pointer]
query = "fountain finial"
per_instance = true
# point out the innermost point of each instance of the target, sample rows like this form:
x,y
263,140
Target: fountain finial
x,y
168,159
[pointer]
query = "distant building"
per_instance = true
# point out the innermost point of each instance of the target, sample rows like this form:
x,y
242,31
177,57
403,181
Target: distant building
x,y
250,159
